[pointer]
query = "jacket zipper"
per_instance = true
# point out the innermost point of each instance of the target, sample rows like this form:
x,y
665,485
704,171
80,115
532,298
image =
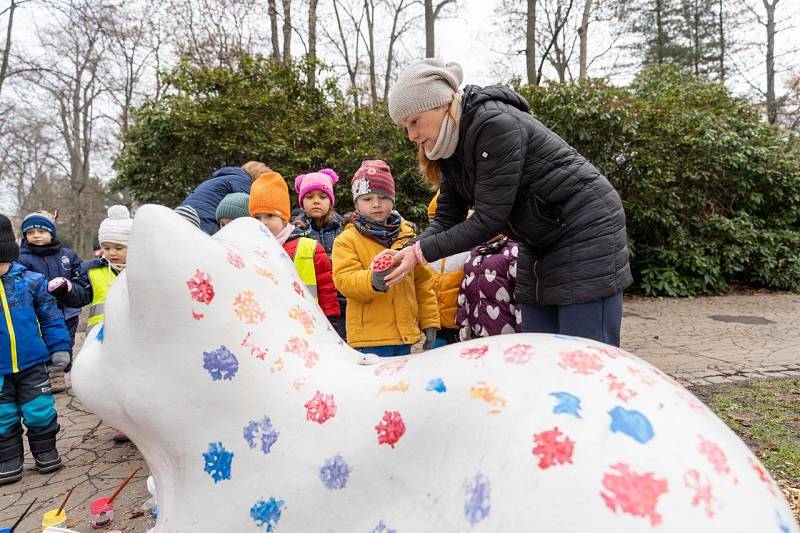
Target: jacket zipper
x,y
11,337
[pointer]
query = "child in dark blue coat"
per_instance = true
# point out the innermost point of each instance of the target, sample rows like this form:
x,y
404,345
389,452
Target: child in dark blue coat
x,y
32,334
42,252
207,196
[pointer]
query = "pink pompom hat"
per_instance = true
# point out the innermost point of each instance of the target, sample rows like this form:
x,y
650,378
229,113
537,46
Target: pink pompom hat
x,y
316,181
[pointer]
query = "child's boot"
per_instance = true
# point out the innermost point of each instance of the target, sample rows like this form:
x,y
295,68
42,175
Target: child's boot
x,y
45,454
11,461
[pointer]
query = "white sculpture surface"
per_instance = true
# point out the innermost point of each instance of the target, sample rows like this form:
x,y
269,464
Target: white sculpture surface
x,y
254,416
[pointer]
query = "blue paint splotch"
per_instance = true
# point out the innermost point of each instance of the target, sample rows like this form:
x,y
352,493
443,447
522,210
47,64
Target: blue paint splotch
x,y
101,333
632,423
436,385
477,504
218,461
782,526
260,433
568,404
220,363
383,528
267,513
335,473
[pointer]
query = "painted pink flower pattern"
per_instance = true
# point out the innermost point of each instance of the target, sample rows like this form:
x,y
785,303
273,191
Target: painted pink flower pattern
x,y
247,309
234,259
552,448
390,428
474,352
715,455
636,494
390,369
320,408
619,389
580,362
257,351
763,477
703,492
200,287
519,354
302,349
298,289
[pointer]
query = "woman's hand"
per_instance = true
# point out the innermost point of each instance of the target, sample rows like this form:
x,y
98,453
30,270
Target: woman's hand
x,y
403,262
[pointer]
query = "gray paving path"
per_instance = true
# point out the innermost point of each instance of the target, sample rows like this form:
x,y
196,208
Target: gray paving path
x,y
698,341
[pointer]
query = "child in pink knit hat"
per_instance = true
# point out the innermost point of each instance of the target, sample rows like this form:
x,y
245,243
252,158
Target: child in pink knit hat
x,y
317,218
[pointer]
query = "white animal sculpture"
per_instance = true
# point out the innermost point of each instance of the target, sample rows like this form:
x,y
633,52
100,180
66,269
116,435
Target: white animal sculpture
x,y
254,416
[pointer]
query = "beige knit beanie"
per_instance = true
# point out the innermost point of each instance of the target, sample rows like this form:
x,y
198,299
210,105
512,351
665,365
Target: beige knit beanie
x,y
424,85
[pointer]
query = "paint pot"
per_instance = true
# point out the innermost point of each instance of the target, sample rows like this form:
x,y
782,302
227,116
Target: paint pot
x,y
102,513
59,530
54,519
5,530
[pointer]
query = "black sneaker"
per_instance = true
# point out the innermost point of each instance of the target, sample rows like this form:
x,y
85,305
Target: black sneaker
x,y
11,470
47,461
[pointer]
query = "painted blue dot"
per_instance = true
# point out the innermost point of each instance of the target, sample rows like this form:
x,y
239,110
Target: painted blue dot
x,y
260,433
101,333
436,385
335,473
218,461
383,528
220,363
632,423
267,513
477,505
568,404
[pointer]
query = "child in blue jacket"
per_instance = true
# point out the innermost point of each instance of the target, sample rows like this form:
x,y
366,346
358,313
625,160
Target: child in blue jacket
x,y
32,334
41,251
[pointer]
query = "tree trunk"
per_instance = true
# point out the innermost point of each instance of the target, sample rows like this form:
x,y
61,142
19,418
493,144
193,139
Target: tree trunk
x,y
696,59
312,43
287,32
772,107
721,41
660,39
583,32
273,24
530,43
7,48
429,29
369,9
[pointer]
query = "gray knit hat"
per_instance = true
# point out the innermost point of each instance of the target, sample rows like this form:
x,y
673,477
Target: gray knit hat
x,y
233,206
424,85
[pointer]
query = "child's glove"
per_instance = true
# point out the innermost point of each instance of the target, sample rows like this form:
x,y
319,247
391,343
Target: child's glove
x,y
430,338
59,360
377,281
59,286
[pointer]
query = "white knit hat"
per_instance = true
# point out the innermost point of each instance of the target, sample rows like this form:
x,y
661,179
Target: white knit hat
x,y
424,85
117,227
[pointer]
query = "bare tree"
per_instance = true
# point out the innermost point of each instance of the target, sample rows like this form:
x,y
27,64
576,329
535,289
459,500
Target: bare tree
x,y
7,47
348,26
312,42
369,43
70,77
400,25
554,42
287,32
769,24
273,24
583,32
432,13
530,42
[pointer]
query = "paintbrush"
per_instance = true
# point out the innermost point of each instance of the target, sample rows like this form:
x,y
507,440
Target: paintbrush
x,y
23,515
65,500
119,489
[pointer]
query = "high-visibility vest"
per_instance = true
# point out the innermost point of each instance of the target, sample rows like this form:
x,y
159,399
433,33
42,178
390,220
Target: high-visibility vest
x,y
304,263
101,279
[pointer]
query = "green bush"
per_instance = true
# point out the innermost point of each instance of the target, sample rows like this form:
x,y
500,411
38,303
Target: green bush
x,y
712,193
265,112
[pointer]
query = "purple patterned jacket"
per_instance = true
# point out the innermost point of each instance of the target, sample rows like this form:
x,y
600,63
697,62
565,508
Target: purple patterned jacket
x,y
486,304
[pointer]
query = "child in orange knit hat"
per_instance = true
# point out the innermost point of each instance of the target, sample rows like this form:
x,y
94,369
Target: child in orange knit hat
x,y
269,203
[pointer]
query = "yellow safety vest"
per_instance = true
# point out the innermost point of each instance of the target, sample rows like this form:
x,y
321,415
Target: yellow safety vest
x,y
304,263
101,279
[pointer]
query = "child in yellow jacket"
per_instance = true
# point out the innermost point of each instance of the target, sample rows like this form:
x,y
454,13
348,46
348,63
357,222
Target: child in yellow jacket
x,y
381,321
447,272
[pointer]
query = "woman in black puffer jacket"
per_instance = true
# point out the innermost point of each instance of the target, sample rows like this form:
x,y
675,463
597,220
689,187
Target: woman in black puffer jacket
x,y
484,150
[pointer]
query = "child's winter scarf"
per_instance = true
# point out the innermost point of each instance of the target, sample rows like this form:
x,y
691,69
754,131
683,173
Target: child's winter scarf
x,y
384,233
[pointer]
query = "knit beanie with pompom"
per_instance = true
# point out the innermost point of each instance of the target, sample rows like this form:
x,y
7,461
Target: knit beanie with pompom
x,y
324,180
117,227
